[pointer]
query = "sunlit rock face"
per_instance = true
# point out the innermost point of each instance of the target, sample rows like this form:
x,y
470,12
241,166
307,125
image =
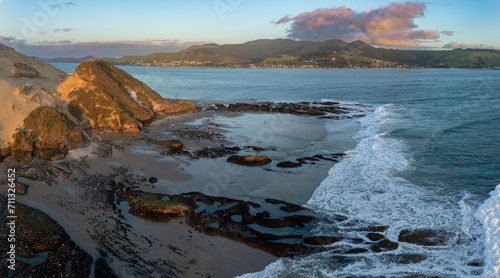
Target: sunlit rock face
x,y
112,100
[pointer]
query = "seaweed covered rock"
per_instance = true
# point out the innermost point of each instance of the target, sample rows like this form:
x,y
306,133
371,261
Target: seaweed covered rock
x,y
112,100
48,135
39,237
151,207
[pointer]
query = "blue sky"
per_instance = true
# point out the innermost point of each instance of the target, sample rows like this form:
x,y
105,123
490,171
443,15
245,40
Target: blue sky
x,y
51,28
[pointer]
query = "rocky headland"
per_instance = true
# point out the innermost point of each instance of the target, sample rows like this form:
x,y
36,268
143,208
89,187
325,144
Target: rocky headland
x,y
48,113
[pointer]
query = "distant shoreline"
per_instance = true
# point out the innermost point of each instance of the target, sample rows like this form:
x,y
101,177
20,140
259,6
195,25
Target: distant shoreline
x,y
349,68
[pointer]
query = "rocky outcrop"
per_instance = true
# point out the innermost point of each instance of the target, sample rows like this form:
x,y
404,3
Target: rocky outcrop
x,y
278,227
112,100
151,207
323,109
43,248
48,135
249,160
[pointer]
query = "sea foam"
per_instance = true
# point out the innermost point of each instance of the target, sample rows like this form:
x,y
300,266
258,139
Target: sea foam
x,y
367,186
489,215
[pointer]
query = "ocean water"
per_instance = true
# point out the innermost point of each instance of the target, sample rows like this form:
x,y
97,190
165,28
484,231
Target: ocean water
x,y
426,156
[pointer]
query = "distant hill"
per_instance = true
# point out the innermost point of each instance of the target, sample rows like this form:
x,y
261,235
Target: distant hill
x,y
71,59
326,54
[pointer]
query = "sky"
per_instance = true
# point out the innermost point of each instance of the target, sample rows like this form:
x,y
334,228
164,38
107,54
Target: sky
x,y
77,28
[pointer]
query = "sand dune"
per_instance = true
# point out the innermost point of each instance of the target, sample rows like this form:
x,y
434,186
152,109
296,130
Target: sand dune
x,y
25,84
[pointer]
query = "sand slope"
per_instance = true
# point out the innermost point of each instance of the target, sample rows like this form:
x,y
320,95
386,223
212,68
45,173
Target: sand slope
x,y
25,84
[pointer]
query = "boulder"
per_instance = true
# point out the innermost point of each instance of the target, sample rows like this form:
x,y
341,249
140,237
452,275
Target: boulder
x,y
288,164
48,135
176,144
249,160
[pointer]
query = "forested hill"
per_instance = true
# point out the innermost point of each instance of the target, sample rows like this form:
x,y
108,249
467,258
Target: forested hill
x,y
326,54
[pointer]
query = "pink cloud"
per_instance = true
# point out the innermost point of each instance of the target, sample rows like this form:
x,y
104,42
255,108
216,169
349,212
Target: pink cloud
x,y
391,25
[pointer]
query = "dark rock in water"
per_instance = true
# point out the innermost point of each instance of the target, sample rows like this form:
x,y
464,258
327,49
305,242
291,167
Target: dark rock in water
x,y
305,109
264,214
177,144
375,236
380,229
287,206
153,180
384,245
324,158
305,159
321,240
249,160
288,164
476,263
257,148
102,269
425,237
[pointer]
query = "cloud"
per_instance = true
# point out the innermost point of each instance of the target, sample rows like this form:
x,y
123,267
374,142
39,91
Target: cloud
x,y
63,42
448,33
62,4
469,45
391,25
62,30
115,49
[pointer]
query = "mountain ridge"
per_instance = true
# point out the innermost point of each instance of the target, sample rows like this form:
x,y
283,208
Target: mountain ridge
x,y
325,54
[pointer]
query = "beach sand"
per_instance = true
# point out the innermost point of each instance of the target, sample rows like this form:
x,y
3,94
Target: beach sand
x,y
74,203
25,84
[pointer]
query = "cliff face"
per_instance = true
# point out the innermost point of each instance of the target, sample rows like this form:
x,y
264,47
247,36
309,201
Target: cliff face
x,y
112,100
